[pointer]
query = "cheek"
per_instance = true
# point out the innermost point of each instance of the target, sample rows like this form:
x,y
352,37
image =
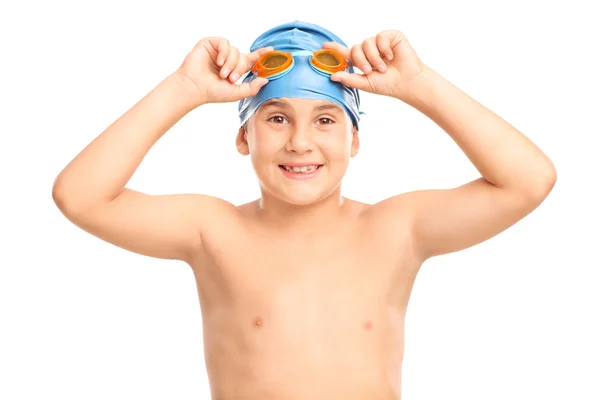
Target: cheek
x,y
337,147
263,148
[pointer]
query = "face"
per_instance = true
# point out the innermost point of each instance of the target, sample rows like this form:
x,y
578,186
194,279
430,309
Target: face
x,y
300,148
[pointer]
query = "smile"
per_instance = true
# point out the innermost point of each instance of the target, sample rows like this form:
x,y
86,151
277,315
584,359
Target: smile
x,y
301,172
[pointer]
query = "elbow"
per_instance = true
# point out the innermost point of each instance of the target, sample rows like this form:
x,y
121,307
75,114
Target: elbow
x,y
544,184
549,178
75,201
552,176
65,199
59,196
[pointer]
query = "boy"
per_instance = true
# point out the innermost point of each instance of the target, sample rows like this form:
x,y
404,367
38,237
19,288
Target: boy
x,y
304,292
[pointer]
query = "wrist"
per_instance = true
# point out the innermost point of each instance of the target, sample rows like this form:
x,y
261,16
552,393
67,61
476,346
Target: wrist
x,y
418,92
186,89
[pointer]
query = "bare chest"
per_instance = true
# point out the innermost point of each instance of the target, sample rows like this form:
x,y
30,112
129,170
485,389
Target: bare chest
x,y
352,278
335,308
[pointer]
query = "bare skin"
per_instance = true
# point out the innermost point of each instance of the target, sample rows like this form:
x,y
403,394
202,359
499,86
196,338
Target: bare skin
x,y
303,292
318,315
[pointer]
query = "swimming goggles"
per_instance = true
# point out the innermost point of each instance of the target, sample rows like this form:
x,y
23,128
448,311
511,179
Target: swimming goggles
x,y
275,64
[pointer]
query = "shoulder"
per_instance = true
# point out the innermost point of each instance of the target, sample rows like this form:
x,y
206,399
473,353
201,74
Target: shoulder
x,y
218,221
224,216
394,212
208,207
212,215
390,217
390,221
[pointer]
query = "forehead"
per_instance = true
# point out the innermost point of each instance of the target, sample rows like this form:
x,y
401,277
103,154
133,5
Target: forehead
x,y
296,104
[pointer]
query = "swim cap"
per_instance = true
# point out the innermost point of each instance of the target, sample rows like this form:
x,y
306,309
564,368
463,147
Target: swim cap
x,y
302,81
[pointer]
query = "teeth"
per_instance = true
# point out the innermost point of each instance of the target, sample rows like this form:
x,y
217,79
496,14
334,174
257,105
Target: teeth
x,y
301,170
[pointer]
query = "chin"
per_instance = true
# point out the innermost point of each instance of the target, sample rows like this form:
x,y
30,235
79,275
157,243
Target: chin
x,y
303,196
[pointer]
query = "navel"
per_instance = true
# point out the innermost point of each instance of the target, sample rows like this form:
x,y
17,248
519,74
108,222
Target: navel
x,y
257,323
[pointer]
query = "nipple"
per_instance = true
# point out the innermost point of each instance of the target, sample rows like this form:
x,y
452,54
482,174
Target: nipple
x,y
257,322
367,325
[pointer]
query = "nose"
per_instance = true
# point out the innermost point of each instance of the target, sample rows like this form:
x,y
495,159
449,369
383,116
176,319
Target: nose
x,y
300,139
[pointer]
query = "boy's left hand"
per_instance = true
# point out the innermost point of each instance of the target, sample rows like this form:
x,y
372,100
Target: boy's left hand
x,y
388,62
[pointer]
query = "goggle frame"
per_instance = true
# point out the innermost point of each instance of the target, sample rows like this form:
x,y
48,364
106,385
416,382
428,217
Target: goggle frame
x,y
287,64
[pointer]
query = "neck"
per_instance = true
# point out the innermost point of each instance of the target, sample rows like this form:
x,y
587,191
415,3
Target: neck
x,y
301,219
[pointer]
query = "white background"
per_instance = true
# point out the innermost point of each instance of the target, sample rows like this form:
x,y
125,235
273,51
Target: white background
x,y
513,318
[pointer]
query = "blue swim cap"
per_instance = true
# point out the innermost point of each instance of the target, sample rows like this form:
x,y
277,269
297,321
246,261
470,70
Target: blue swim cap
x,y
302,81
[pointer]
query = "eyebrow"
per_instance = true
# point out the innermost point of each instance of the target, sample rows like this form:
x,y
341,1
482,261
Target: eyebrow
x,y
324,107
283,104
275,103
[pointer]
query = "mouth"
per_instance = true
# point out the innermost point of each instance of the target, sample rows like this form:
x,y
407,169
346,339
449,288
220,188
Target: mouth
x,y
300,172
304,169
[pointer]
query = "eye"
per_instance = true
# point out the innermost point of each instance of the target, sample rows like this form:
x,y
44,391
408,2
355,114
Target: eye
x,y
325,121
278,119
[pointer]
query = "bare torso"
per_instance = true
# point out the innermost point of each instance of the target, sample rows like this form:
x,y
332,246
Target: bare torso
x,y
313,317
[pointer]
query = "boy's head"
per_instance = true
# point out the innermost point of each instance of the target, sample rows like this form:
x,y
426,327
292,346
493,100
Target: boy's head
x,y
299,117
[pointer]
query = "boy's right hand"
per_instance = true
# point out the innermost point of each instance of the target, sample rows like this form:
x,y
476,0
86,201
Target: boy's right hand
x,y
211,69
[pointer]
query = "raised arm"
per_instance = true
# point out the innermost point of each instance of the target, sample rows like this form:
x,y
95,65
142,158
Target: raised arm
x,y
91,191
516,175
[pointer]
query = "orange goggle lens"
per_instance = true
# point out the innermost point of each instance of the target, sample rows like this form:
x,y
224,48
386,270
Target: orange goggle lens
x,y
329,60
272,63
275,62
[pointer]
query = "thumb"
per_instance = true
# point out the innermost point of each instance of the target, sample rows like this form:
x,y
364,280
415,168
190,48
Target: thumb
x,y
248,89
255,55
356,81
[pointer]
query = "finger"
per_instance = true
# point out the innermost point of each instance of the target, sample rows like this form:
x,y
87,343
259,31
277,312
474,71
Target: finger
x,y
248,89
372,52
359,59
344,51
383,44
240,68
230,62
357,81
255,55
223,51
210,45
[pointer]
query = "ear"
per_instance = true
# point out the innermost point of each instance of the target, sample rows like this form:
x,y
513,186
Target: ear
x,y
241,141
355,142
